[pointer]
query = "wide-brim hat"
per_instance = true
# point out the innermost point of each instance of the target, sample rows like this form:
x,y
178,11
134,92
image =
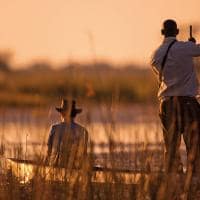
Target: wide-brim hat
x,y
65,107
74,110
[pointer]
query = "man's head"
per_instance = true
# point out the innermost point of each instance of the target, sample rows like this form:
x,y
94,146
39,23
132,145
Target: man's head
x,y
64,110
169,28
68,111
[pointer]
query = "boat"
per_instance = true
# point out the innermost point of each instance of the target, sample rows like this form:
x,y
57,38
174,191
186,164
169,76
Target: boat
x,y
26,170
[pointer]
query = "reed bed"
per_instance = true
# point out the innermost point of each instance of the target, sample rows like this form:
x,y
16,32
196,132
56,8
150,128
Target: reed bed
x,y
133,171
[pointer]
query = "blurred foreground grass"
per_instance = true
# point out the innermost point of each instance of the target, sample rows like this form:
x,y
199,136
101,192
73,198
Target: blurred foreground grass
x,y
88,184
84,184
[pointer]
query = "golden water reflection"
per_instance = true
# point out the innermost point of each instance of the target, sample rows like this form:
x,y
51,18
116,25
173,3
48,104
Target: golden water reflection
x,y
26,172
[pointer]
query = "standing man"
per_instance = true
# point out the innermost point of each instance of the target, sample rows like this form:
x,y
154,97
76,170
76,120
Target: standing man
x,y
179,109
67,143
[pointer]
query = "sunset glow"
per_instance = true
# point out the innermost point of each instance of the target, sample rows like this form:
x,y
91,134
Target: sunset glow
x,y
113,30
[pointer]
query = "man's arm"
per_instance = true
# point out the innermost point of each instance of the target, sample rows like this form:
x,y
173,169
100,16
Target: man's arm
x,y
154,64
50,141
192,48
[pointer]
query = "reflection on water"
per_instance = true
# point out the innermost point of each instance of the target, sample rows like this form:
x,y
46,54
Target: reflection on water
x,y
26,171
125,136
128,129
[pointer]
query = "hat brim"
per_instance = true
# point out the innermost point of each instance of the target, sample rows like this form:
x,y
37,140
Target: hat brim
x,y
78,111
75,112
61,110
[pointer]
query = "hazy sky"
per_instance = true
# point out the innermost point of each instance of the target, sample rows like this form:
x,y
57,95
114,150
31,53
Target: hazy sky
x,y
116,30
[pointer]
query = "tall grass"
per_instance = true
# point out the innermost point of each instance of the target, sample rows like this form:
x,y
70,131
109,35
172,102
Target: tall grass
x,y
142,178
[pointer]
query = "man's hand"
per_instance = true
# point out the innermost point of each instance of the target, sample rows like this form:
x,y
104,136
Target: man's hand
x,y
191,39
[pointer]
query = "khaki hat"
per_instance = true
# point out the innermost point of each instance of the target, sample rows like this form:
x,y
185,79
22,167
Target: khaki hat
x,y
65,106
74,110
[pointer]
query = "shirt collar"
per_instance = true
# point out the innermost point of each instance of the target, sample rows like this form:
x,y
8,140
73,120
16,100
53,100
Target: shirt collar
x,y
169,39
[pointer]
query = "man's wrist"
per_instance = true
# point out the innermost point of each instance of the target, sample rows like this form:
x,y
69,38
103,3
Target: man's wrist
x,y
192,39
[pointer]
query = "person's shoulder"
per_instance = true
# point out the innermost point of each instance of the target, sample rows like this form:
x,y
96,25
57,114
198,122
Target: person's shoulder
x,y
158,48
186,48
56,125
157,51
155,56
80,127
185,43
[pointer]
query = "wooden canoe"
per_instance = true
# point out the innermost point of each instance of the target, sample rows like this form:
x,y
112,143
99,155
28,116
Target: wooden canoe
x,y
26,170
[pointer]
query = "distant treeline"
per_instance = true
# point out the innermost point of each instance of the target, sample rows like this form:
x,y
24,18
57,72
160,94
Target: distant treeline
x,y
100,82
40,83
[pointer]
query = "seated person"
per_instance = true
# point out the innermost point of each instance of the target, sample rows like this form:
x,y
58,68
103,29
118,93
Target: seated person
x,y
67,143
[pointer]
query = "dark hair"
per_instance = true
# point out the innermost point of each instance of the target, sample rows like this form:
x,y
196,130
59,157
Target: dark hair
x,y
170,28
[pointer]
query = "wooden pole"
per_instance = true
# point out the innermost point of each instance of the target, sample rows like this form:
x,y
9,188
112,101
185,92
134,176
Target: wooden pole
x,y
190,31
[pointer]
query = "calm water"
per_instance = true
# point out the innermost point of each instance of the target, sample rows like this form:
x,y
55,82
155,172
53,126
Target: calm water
x,y
129,127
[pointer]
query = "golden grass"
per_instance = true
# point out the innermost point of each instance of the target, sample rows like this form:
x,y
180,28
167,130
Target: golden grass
x,y
82,184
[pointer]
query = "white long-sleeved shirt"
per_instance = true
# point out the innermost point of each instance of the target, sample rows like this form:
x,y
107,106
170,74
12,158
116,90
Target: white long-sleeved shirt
x,y
179,77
